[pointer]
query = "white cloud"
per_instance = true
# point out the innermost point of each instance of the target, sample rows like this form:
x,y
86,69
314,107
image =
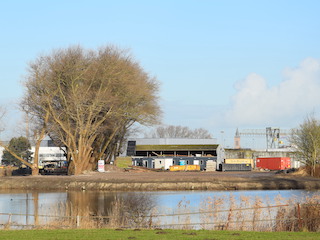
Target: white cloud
x,y
255,103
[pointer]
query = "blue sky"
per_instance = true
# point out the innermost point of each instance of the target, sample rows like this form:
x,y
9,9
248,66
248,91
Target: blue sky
x,y
222,65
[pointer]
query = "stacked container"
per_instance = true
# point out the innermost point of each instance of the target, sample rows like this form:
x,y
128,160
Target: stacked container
x,y
239,161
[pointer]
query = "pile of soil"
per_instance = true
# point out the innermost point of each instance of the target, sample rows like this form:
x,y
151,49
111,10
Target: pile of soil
x,y
301,172
112,168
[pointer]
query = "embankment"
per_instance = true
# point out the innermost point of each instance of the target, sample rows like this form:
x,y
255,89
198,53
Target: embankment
x,y
162,181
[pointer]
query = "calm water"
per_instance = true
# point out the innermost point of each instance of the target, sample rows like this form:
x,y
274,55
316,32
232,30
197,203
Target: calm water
x,y
28,207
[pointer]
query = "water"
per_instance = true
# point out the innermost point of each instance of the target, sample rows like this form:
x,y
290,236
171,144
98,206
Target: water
x,y
28,208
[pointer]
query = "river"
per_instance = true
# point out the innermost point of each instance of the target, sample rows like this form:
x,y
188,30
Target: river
x,y
167,207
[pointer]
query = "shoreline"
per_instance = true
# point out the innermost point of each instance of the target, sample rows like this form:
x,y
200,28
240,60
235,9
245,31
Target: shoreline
x,y
161,181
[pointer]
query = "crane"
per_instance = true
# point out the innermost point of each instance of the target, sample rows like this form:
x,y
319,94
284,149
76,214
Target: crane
x,y
272,135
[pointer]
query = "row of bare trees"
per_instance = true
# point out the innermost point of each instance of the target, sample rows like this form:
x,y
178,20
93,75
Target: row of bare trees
x,y
86,100
171,131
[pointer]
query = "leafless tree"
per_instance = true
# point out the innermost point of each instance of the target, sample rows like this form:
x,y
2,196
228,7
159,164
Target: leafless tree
x,y
171,131
87,99
2,114
306,139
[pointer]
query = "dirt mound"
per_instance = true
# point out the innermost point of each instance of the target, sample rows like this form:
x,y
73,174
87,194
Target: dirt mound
x,y
301,172
306,171
112,168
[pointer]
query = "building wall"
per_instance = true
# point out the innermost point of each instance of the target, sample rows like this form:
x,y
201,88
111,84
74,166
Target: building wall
x,y
163,163
50,155
1,154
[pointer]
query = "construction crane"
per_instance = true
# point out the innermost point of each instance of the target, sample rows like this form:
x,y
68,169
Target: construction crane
x,y
272,135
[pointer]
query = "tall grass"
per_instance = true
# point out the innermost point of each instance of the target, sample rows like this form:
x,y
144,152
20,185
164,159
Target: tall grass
x,y
250,214
303,216
229,213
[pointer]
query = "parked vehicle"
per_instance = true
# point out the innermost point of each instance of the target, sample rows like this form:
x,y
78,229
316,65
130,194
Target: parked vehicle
x,y
49,168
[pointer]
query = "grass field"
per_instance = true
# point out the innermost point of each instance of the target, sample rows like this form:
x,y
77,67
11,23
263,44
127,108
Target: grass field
x,y
123,162
105,234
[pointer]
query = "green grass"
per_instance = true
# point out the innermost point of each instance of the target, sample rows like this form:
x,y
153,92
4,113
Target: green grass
x,y
123,162
105,234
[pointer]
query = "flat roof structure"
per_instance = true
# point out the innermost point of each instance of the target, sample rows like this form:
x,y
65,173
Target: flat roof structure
x,y
172,147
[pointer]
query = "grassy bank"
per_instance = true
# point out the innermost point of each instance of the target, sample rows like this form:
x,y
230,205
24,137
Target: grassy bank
x,y
152,234
123,162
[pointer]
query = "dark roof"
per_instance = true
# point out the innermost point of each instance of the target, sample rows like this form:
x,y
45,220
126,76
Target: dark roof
x,y
176,147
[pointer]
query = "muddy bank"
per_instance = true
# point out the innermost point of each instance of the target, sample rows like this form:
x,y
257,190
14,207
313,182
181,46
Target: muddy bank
x,y
162,181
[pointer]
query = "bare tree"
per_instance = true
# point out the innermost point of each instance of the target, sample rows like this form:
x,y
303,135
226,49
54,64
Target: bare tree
x,y
90,98
2,114
171,131
306,139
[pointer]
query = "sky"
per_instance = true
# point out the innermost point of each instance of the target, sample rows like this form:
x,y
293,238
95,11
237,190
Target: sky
x,y
221,65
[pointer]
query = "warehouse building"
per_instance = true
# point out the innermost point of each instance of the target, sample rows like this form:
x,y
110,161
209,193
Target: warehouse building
x,y
162,153
174,147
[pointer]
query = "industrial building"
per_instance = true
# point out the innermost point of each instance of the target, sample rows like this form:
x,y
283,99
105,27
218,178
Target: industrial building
x,y
161,153
164,152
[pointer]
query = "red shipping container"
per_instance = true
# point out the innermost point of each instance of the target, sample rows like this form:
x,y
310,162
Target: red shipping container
x,y
274,163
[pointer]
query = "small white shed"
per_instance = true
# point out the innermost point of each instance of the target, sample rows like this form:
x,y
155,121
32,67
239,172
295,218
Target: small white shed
x,y
164,163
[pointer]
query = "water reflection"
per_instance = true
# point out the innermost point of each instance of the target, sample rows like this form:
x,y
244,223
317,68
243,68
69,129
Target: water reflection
x,y
89,203
113,208
134,209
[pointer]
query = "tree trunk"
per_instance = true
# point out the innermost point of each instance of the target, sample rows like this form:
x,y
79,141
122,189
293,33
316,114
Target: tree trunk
x,y
35,170
71,168
35,166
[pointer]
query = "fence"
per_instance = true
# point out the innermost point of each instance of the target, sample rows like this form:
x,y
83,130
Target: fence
x,y
284,217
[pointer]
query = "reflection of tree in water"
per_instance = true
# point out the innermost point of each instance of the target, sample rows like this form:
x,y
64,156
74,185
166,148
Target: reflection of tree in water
x,y
113,209
89,203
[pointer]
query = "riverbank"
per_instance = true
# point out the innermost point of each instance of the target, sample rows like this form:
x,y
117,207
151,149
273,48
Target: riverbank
x,y
162,181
